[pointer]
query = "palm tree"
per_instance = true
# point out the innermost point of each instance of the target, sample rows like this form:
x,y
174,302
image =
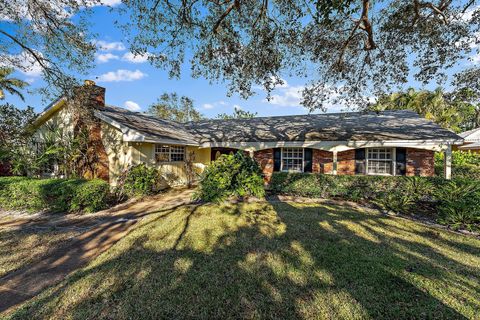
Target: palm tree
x,y
10,85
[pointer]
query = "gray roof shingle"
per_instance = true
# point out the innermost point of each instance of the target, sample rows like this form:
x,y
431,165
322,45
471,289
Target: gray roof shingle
x,y
152,128
353,126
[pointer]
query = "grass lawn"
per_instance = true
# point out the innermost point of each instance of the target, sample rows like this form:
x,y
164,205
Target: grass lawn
x,y
23,246
279,260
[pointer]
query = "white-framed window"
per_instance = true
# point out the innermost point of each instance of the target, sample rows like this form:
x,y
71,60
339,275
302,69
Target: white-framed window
x,y
292,159
167,153
380,161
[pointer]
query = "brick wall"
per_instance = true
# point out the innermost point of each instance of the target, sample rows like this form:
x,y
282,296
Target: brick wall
x,y
420,162
322,161
265,160
346,162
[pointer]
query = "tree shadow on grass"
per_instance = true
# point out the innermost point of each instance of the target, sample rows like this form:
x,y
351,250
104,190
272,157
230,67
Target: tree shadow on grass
x,y
275,260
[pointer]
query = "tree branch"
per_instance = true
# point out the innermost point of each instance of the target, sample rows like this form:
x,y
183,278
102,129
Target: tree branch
x,y
234,4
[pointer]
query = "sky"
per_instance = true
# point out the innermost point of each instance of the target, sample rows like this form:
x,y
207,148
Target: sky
x,y
132,83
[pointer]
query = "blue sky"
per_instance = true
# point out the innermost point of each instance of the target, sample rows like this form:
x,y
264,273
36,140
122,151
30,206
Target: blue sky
x,y
131,82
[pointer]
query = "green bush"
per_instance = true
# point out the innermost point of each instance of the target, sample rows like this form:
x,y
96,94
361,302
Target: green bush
x,y
55,195
459,204
465,165
455,203
465,171
231,175
460,158
140,180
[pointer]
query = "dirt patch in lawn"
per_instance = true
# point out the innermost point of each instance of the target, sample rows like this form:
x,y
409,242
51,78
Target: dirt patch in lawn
x,y
40,250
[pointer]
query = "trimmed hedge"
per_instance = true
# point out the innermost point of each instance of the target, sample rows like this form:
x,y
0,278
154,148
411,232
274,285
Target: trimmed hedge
x,y
55,195
455,203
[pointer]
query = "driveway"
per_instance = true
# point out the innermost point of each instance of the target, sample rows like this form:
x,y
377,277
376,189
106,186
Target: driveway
x,y
98,232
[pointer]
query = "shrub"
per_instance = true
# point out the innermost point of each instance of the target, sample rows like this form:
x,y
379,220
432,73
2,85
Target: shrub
x,y
231,175
55,195
140,180
455,203
465,165
459,204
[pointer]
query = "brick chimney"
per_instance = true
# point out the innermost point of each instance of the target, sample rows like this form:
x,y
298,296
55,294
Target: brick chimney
x,y
90,94
96,93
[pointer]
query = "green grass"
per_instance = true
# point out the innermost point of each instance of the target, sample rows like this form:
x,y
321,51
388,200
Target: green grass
x,y
277,260
25,246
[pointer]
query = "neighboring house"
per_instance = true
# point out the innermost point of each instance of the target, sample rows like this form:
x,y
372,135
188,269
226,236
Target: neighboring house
x,y
387,143
472,140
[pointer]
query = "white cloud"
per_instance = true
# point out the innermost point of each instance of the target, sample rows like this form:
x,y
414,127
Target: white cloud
x,y
237,107
132,106
110,46
105,57
121,75
287,96
135,58
23,62
111,3
208,106
97,3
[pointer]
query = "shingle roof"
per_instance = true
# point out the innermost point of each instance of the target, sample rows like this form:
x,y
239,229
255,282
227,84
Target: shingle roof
x,y
471,146
470,134
353,126
152,128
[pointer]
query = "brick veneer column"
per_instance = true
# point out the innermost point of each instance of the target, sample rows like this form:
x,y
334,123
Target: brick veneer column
x,y
265,161
420,162
322,161
346,162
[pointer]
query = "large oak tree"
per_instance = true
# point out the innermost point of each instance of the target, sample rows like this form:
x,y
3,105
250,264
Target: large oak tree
x,y
346,48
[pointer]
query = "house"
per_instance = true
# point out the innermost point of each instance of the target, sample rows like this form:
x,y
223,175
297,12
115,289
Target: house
x,y
386,143
472,141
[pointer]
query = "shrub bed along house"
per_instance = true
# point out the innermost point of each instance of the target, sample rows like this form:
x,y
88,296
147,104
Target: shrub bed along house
x,y
55,195
140,180
455,203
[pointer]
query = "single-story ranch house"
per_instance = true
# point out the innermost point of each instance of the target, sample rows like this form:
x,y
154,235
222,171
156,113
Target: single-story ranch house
x,y
386,143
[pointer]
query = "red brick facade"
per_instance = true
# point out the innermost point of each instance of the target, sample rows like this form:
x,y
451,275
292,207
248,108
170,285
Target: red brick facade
x,y
346,162
322,161
420,162
265,160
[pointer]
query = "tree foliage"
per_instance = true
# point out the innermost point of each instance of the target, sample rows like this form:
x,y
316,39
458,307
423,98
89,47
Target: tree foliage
x,y
348,48
453,111
170,106
237,114
13,122
47,36
9,84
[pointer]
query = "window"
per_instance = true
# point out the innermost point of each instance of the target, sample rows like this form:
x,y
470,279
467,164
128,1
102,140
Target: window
x,y
379,161
164,153
292,159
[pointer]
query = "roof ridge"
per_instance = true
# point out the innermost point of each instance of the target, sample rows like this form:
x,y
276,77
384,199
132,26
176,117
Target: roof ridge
x,y
309,115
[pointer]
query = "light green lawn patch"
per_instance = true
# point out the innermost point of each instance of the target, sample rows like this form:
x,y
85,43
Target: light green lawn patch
x,y
277,260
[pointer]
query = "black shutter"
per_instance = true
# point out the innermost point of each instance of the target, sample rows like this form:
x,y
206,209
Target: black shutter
x,y
401,160
360,161
277,159
307,161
